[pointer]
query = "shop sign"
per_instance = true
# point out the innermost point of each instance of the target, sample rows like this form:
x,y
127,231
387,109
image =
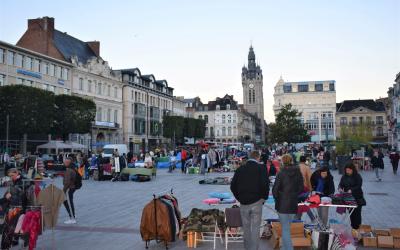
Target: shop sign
x,y
29,73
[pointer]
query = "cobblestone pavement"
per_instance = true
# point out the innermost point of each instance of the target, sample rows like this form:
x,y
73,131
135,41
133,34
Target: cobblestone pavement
x,y
109,213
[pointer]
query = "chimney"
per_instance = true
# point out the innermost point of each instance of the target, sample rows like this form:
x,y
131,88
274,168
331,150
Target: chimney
x,y
45,23
95,47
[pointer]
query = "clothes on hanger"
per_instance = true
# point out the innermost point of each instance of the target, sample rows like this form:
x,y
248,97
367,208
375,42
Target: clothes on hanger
x,y
51,198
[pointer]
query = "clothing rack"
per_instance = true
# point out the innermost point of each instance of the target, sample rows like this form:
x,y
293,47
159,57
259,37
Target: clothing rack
x,y
155,197
30,208
53,242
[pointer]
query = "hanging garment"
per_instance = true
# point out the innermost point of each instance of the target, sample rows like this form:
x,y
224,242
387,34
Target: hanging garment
x,y
9,228
51,199
171,217
117,167
154,223
32,226
18,227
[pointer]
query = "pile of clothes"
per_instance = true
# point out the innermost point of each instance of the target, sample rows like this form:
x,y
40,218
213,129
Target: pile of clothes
x,y
203,221
216,181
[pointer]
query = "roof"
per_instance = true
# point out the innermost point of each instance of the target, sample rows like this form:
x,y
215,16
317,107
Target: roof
x,y
349,105
70,46
308,82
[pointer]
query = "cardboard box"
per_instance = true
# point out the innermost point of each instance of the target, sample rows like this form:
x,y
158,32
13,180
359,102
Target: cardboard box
x,y
382,232
370,241
385,241
296,229
301,242
395,232
365,229
396,242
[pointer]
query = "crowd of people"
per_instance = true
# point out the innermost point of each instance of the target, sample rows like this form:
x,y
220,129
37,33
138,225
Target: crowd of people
x,y
294,178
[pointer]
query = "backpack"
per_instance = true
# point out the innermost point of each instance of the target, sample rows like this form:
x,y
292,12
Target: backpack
x,y
78,180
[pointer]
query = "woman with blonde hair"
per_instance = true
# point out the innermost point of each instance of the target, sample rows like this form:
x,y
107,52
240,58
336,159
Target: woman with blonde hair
x,y
288,185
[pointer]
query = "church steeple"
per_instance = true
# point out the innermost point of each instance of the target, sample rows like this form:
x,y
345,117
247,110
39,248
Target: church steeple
x,y
252,58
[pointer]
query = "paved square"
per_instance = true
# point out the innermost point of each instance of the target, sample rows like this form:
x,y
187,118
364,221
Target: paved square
x,y
109,212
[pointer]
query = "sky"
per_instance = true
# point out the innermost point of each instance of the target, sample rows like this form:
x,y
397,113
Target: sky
x,y
200,46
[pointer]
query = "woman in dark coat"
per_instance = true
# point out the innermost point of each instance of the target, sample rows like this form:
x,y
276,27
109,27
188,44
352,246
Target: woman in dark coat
x,y
288,185
351,182
377,163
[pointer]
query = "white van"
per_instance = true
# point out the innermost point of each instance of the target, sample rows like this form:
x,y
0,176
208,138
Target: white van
x,y
109,149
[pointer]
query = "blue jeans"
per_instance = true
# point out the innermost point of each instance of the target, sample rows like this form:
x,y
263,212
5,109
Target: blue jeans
x,y
286,220
251,222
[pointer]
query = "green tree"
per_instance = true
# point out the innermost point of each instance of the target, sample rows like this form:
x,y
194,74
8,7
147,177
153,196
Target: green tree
x,y
287,127
73,114
173,127
30,110
353,137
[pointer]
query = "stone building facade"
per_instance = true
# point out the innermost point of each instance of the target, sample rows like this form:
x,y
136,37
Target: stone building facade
x,y
316,100
394,114
369,112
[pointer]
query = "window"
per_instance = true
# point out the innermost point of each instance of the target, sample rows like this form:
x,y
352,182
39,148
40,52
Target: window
x,y
132,126
217,132
115,92
379,120
99,114
343,120
354,120
20,81
36,65
108,90
206,118
200,117
223,118
65,74
115,116
46,69
331,87
223,131
302,88
254,96
45,86
319,87
89,86
109,115
135,96
132,108
99,89
217,107
19,60
228,106
229,118
52,70
379,131
287,88
249,95
58,71
80,83
2,80
229,131
28,63
10,58
1,55
66,91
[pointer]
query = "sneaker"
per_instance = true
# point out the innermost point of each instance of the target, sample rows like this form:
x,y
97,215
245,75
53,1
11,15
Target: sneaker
x,y
73,221
69,221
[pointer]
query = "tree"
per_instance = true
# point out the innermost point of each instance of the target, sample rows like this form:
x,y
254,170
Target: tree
x,y
173,127
353,137
287,127
73,114
30,110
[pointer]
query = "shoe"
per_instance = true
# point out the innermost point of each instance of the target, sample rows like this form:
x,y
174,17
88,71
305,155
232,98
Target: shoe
x,y
380,179
69,221
73,221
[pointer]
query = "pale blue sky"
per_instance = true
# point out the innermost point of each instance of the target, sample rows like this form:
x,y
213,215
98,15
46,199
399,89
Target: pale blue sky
x,y
201,46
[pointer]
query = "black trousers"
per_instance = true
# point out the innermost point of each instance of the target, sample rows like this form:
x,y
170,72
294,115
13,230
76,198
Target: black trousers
x,y
395,166
355,218
69,202
183,168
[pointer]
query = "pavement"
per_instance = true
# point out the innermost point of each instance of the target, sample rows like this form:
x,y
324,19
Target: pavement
x,y
109,213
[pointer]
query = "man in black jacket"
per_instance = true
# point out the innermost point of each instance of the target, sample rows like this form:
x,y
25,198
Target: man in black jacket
x,y
250,186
